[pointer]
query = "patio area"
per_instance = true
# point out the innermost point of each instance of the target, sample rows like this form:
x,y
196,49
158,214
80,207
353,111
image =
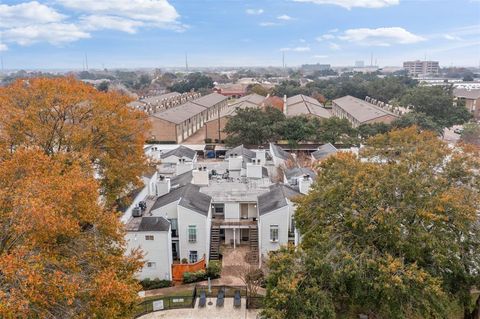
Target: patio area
x,y
207,312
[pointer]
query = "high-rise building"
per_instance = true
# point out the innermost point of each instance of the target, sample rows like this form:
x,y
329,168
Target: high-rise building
x,y
359,64
416,68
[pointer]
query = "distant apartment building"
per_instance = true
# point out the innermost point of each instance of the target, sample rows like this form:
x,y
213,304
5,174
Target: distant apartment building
x,y
177,123
416,68
233,91
310,68
214,128
471,98
359,112
304,105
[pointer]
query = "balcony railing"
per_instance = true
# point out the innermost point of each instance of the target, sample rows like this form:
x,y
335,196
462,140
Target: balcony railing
x,y
234,222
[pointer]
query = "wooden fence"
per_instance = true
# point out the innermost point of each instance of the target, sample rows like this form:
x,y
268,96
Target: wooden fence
x,y
179,269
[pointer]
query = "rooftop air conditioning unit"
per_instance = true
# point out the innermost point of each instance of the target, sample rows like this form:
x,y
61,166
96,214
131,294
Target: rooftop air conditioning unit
x,y
137,212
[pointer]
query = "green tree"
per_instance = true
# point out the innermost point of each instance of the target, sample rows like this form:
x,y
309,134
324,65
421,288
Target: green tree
x,y
471,134
368,130
295,129
335,130
437,103
194,81
393,233
253,126
421,120
103,86
258,89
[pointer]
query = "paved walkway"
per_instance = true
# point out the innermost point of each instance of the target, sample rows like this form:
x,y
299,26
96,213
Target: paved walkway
x,y
234,261
207,312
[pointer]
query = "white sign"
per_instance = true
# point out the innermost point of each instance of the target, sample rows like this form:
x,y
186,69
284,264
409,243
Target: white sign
x,y
178,300
157,305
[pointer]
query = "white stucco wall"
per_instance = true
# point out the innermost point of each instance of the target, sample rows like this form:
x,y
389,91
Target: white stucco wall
x,y
232,210
169,211
158,251
188,217
278,217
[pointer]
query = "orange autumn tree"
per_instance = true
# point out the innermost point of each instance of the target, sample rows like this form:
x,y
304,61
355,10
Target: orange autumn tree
x,y
64,115
61,251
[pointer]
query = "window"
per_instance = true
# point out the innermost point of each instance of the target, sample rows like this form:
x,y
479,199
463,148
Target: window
x,y
174,223
149,237
192,233
193,256
151,264
273,233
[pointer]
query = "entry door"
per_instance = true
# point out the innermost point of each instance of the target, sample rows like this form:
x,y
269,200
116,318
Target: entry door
x,y
245,234
174,250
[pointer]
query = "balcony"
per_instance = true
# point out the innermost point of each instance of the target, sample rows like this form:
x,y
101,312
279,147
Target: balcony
x,y
227,223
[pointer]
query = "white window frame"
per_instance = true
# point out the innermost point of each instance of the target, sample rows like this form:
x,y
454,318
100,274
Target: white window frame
x,y
190,255
149,237
192,237
273,230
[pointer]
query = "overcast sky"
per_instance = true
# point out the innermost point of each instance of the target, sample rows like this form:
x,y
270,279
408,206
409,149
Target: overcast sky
x,y
156,33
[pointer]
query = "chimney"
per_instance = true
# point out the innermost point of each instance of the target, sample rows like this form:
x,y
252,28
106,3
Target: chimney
x,y
304,184
254,170
200,176
285,105
163,185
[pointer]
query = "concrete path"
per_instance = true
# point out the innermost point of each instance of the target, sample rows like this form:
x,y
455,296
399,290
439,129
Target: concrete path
x,y
208,312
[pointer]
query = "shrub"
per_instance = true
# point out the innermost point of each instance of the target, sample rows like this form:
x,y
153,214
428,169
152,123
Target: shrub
x,y
214,269
148,284
208,140
189,277
184,261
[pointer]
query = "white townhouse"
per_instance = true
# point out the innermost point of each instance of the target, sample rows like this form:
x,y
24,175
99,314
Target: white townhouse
x,y
276,212
152,235
231,202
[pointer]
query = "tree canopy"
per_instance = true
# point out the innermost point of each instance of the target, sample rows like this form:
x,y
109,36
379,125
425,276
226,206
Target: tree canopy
x,y
61,252
194,81
253,126
393,233
437,103
63,115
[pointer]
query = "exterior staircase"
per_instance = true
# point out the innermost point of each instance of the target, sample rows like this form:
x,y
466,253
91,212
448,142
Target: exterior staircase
x,y
214,243
252,256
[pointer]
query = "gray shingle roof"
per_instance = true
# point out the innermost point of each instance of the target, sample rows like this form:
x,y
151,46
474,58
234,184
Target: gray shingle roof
x,y
181,113
194,200
361,110
189,196
241,151
280,153
275,198
181,151
299,171
209,100
253,98
182,179
466,93
147,224
323,151
154,224
305,105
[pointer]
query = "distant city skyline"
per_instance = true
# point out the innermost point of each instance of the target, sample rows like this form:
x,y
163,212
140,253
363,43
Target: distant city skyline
x,y
57,34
